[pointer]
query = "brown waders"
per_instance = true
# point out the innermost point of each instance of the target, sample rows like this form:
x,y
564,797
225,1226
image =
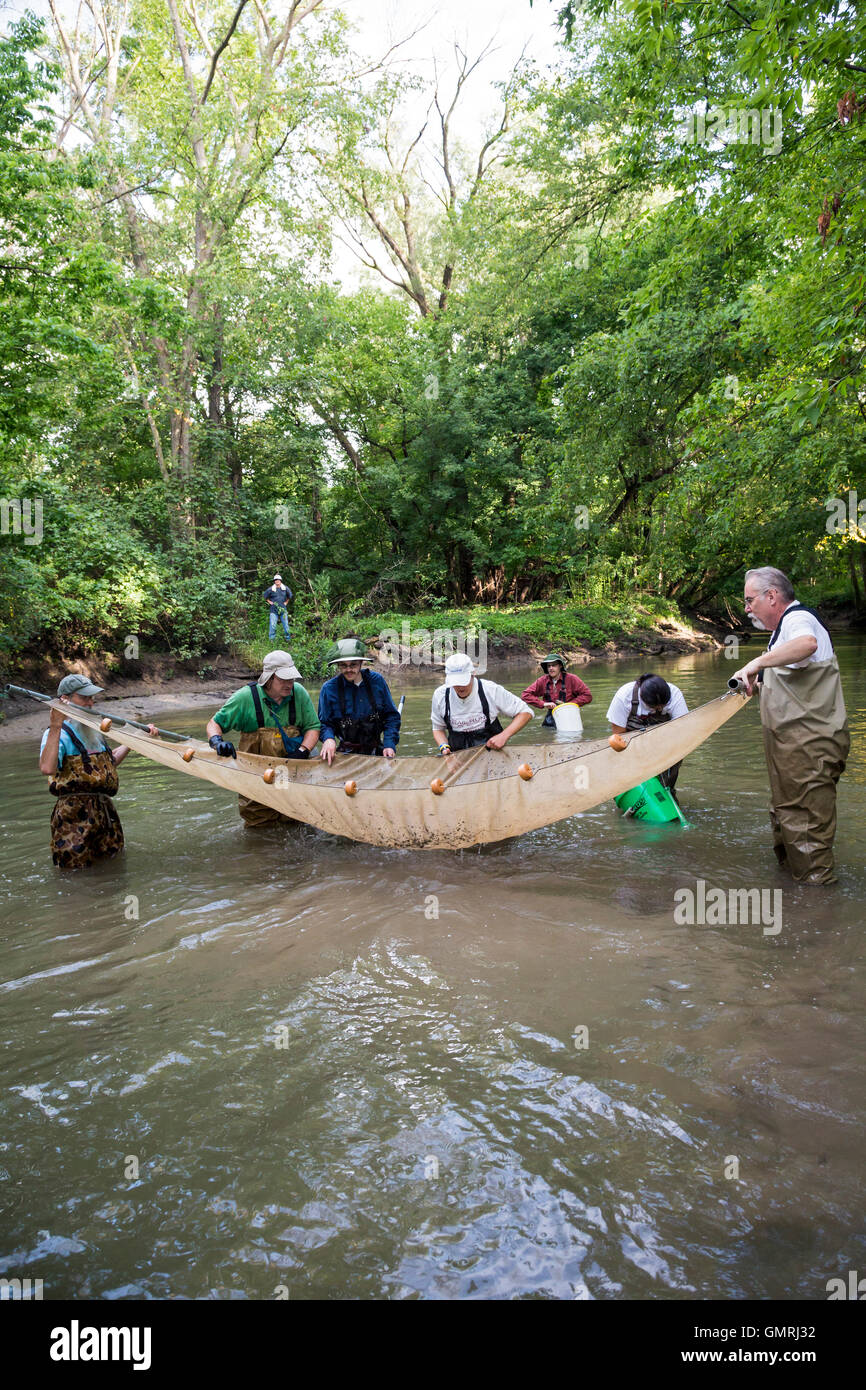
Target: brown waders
x,y
268,742
806,742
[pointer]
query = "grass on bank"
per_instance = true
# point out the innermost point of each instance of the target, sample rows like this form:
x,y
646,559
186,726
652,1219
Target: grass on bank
x,y
539,625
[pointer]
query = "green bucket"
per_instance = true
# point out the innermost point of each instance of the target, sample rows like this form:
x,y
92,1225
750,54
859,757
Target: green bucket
x,y
650,801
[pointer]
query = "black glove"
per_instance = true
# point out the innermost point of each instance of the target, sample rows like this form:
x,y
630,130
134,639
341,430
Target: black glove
x,y
222,747
301,752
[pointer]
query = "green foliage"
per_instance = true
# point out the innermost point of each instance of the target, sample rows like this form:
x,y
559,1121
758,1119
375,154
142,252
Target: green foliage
x,y
312,635
645,371
93,581
570,626
48,278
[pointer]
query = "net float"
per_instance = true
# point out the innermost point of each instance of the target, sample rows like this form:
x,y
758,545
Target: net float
x,y
351,788
188,754
268,776
105,724
617,742
525,771
437,786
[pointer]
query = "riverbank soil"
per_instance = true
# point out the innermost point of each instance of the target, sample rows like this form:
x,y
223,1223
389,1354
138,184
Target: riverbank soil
x,y
158,681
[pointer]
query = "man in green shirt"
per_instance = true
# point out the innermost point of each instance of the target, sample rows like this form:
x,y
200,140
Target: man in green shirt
x,y
275,718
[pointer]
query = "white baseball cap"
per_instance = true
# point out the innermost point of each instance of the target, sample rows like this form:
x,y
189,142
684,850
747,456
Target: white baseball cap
x,y
279,576
459,669
278,664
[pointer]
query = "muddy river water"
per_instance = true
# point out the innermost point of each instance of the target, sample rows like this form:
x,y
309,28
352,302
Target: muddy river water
x,y
259,1064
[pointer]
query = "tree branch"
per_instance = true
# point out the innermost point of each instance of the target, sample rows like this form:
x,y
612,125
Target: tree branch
x,y
216,57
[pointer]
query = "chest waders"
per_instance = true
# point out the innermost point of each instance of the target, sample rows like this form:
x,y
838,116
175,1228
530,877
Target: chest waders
x,y
470,738
647,721
270,741
806,744
361,733
794,608
549,722
84,823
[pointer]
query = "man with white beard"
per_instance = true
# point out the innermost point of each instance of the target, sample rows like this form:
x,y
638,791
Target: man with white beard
x,y
806,739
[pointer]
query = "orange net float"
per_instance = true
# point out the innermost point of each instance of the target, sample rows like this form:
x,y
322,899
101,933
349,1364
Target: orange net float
x,y
105,724
618,743
351,788
437,786
525,771
268,776
188,754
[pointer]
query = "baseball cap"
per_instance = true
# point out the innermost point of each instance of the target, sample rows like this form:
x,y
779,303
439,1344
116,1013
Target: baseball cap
x,y
459,669
78,685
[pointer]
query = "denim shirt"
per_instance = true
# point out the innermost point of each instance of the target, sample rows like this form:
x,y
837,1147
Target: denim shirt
x,y
357,706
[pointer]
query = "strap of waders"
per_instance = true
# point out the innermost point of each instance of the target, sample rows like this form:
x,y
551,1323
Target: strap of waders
x,y
260,716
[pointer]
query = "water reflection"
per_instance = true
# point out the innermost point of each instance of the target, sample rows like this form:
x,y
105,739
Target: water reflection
x,y
354,1073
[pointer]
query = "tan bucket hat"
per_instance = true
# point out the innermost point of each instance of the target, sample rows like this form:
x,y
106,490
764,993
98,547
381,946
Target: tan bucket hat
x,y
278,664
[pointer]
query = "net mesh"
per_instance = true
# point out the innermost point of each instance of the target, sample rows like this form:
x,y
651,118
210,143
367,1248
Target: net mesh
x,y
483,796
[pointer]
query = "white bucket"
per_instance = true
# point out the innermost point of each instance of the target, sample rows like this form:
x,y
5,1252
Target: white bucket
x,y
567,719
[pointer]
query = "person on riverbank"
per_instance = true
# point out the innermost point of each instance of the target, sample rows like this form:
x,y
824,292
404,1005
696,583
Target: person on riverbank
x,y
82,768
805,724
275,717
277,598
465,710
556,687
356,707
643,703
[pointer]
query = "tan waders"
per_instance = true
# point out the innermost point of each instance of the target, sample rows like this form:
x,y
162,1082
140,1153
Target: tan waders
x,y
806,742
268,742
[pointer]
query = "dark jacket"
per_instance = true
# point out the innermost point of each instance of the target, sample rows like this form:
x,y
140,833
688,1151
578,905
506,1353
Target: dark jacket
x,y
358,706
279,596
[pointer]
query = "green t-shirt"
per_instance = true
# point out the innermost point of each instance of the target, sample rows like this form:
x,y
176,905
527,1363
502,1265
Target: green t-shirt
x,y
239,712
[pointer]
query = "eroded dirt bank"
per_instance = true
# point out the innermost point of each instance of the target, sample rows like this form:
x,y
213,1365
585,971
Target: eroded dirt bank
x,y
159,683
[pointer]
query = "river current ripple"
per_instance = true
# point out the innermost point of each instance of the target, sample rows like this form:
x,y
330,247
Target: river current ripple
x,y
249,1066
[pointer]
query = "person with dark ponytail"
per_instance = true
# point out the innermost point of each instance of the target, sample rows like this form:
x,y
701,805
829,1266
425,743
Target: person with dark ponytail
x,y
643,703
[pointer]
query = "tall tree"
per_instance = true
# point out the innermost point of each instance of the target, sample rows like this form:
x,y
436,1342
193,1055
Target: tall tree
x,y
188,112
